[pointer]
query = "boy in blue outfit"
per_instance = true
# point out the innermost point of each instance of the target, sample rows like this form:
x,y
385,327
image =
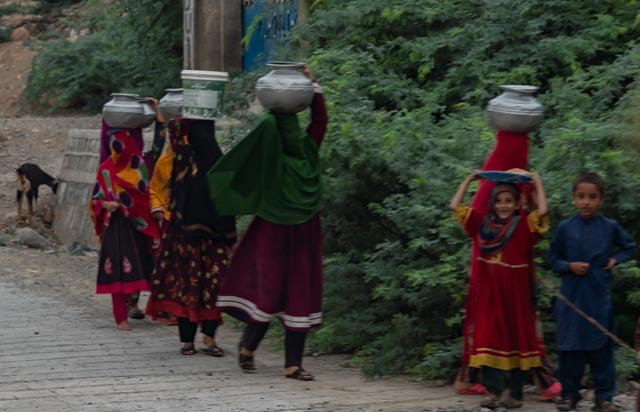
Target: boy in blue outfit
x,y
584,250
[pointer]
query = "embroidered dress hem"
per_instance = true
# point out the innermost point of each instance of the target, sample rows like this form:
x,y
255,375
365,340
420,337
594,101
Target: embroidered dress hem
x,y
123,287
276,272
505,361
158,310
247,311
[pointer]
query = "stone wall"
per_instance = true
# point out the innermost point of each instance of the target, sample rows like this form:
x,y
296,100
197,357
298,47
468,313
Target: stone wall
x,y
77,177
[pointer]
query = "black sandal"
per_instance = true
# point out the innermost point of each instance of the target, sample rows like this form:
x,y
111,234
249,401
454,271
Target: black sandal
x,y
246,362
567,404
511,403
213,350
188,350
490,403
600,405
301,375
135,313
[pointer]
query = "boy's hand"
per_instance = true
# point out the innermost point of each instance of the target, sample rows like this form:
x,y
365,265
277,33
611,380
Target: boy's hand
x,y
612,262
579,268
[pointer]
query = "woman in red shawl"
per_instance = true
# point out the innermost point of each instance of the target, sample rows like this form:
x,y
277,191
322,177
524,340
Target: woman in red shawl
x,y
121,214
502,336
150,158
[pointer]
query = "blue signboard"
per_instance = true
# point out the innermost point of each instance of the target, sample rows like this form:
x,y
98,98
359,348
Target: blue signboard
x,y
267,21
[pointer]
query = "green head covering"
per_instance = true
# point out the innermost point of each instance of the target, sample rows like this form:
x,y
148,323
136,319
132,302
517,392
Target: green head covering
x,y
273,172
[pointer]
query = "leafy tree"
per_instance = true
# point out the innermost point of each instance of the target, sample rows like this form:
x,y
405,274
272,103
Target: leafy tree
x,y
407,83
134,46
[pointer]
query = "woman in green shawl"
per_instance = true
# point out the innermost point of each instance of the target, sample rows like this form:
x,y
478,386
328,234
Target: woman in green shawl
x,y
276,271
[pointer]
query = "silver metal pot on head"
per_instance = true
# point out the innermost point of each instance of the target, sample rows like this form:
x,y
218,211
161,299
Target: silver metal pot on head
x,y
171,104
149,113
285,89
123,111
516,109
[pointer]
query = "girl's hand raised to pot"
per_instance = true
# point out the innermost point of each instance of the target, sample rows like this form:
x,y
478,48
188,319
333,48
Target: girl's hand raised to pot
x,y
473,175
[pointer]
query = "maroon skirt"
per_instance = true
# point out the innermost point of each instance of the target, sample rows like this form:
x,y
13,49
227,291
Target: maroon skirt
x,y
276,272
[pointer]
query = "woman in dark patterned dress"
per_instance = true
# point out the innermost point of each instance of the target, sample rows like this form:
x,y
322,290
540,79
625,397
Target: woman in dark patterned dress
x,y
194,249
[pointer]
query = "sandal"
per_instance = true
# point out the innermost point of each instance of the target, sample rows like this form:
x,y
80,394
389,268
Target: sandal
x,y
135,313
552,392
246,362
188,350
301,375
511,403
477,389
490,403
600,405
567,404
213,350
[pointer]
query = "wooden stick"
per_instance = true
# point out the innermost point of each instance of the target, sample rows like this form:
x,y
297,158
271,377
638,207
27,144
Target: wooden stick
x,y
591,320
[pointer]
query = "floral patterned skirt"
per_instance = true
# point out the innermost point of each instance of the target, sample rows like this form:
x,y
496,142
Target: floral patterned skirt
x,y
187,276
125,260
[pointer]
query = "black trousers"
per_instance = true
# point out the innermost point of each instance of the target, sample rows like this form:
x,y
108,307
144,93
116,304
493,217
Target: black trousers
x,y
494,380
293,342
188,329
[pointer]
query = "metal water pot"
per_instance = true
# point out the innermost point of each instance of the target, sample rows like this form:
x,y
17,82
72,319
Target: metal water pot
x,y
285,89
171,104
149,113
123,111
516,109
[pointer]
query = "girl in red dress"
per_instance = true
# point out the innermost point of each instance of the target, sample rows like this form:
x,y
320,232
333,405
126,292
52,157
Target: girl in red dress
x,y
502,336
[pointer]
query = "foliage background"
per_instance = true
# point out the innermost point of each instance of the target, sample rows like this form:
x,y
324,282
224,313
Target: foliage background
x,y
406,82
133,46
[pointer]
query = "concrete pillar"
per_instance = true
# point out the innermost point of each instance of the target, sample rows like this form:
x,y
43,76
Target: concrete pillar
x,y
72,222
213,35
303,11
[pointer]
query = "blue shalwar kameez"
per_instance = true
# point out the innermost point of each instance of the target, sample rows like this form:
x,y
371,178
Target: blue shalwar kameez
x,y
594,240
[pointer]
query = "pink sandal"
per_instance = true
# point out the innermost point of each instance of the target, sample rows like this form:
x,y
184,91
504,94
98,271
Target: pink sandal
x,y
552,392
477,389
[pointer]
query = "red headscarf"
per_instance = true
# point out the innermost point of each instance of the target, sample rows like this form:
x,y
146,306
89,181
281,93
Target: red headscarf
x,y
123,178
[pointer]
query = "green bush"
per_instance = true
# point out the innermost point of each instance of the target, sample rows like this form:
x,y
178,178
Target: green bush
x,y
135,46
406,84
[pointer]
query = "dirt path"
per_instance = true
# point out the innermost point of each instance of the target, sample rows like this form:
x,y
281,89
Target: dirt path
x,y
60,351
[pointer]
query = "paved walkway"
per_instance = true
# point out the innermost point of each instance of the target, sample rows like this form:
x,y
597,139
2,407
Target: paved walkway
x,y
60,351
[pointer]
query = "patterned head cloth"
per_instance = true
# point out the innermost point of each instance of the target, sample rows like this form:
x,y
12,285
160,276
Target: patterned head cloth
x,y
123,178
495,232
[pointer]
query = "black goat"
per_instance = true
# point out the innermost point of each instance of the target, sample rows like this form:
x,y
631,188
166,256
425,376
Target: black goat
x,y
30,178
